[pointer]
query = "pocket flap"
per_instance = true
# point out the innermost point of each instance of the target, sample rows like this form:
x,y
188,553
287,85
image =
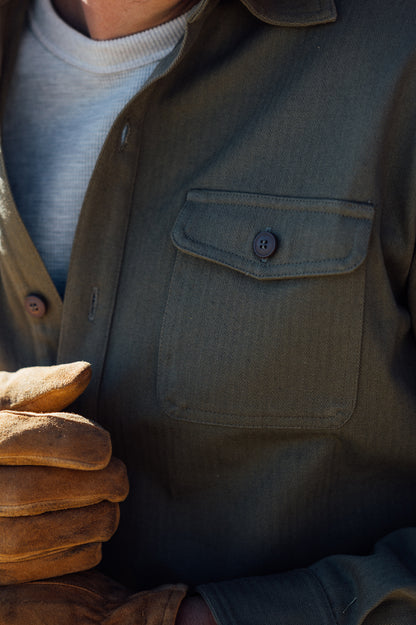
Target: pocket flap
x,y
314,236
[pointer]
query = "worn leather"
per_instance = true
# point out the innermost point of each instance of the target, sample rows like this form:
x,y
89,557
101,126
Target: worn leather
x,y
52,439
59,484
87,598
33,490
43,389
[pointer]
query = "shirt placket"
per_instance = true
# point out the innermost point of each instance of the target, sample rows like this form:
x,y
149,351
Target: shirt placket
x,y
98,249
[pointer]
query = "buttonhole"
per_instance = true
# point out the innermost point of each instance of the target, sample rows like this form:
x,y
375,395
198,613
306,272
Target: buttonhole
x,y
93,303
125,134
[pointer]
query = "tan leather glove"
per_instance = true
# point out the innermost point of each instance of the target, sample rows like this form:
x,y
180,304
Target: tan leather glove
x,y
43,389
59,485
87,598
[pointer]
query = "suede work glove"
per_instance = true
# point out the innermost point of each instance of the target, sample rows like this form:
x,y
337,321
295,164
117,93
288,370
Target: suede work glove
x,y
59,485
43,389
87,598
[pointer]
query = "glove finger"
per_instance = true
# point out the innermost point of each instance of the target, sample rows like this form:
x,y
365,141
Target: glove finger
x,y
43,389
54,439
80,598
34,490
23,538
51,565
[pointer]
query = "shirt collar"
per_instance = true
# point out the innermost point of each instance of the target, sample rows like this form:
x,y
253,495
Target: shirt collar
x,y
293,12
285,12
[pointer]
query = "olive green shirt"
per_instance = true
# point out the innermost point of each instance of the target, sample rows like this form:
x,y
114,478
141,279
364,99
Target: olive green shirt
x,y
265,406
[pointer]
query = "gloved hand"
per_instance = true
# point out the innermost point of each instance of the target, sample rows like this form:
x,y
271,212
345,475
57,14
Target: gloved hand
x,y
59,486
87,598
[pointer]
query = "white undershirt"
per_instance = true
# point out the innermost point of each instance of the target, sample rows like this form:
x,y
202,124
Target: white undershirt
x,y
66,92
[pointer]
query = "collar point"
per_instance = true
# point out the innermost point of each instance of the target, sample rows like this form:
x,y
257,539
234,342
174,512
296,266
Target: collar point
x,y
294,13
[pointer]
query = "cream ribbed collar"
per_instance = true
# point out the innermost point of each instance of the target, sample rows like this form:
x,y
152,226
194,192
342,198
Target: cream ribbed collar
x,y
103,57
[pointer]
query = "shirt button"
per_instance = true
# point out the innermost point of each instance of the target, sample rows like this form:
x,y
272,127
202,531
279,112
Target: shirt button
x,y
264,244
35,305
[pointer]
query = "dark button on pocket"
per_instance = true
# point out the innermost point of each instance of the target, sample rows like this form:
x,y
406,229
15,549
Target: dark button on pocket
x,y
264,244
35,305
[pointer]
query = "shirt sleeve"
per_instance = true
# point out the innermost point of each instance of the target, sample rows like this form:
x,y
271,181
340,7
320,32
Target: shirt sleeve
x,y
375,589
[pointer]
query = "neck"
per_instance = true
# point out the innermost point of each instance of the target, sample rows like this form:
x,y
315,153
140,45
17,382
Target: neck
x,y
110,19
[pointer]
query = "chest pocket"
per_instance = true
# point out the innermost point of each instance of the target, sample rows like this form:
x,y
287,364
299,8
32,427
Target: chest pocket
x,y
259,338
